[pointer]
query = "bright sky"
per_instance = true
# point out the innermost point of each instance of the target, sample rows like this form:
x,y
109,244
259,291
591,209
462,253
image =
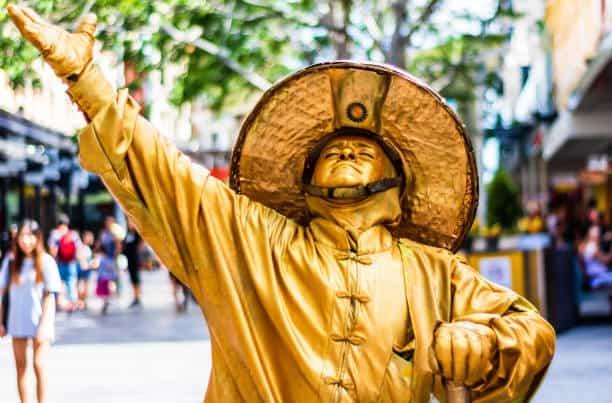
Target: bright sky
x,y
482,8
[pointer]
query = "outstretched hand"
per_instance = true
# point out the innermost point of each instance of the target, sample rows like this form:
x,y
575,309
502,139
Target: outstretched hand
x,y
67,53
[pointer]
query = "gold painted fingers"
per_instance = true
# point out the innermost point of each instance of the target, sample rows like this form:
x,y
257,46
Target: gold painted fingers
x,y
67,53
465,352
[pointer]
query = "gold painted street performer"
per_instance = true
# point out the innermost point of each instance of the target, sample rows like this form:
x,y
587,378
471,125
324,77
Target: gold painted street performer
x,y
325,272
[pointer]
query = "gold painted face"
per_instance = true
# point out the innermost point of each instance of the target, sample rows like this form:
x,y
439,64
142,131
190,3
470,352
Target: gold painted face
x,y
351,161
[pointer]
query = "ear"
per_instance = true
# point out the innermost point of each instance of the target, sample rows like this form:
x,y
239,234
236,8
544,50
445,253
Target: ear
x,y
389,169
313,172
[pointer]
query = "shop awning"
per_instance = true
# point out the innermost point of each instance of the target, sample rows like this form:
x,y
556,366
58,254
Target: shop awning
x,y
575,136
16,125
595,87
585,127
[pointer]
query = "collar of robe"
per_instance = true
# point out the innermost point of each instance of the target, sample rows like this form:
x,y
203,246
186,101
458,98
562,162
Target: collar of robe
x,y
375,239
356,218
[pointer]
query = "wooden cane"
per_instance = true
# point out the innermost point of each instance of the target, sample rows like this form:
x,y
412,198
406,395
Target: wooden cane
x,y
457,393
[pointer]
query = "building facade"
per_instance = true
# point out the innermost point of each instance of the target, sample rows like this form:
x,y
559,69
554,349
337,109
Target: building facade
x,y
578,147
39,171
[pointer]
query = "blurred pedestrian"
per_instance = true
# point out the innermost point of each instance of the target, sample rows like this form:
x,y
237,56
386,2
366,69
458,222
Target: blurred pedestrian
x,y
86,263
31,277
180,293
108,272
131,249
592,216
558,223
64,244
596,262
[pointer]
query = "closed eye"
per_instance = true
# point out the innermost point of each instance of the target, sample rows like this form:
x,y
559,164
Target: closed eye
x,y
366,154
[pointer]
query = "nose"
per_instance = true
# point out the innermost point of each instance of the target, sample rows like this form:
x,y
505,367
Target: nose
x,y
347,154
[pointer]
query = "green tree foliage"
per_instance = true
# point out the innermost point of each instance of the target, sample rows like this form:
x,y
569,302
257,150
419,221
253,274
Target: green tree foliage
x,y
503,203
244,41
16,55
230,48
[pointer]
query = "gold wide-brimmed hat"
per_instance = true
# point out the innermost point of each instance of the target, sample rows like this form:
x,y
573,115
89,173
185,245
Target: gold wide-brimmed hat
x,y
294,115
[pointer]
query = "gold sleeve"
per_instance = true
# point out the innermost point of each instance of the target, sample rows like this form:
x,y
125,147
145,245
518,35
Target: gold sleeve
x,y
525,340
191,220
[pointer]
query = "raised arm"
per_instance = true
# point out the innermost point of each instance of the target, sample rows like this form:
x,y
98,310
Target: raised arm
x,y
192,221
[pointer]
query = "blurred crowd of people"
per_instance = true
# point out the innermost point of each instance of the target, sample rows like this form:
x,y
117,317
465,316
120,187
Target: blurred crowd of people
x,y
79,253
40,276
590,234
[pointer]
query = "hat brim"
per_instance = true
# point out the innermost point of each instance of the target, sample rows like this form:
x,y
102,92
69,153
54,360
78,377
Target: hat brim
x,y
296,113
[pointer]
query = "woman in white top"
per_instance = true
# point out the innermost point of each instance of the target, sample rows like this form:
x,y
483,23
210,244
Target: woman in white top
x,y
31,278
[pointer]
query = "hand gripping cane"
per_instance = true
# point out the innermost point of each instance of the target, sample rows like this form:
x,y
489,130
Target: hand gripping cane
x,y
457,393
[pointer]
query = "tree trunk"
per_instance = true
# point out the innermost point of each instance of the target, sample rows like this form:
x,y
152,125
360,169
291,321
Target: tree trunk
x,y
397,51
339,13
402,34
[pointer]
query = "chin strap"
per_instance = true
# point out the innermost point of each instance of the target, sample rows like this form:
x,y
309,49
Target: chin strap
x,y
352,192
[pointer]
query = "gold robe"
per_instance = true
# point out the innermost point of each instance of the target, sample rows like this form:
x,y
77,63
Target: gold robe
x,y
301,314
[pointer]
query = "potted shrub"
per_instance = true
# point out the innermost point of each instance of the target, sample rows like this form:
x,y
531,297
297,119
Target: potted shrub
x,y
503,206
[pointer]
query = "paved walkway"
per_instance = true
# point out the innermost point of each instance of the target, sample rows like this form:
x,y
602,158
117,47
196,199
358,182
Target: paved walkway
x,y
158,356
129,356
582,368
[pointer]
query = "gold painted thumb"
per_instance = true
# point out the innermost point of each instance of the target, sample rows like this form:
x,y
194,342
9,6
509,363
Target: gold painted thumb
x,y
19,18
87,24
11,8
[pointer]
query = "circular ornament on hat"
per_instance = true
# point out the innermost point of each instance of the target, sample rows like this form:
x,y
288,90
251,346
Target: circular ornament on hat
x,y
298,112
357,112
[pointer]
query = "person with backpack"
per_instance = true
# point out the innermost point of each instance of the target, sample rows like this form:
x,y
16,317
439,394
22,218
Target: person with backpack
x,y
64,244
31,277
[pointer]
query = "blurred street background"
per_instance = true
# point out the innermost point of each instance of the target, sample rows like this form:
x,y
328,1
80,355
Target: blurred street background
x,y
532,80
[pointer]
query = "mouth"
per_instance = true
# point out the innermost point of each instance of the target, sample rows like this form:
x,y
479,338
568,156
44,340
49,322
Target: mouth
x,y
342,165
